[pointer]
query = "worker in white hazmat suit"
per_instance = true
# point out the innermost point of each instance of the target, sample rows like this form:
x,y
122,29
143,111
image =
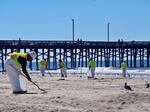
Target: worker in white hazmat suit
x,y
14,66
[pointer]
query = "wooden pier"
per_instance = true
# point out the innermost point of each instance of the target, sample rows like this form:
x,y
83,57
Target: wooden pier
x,y
77,53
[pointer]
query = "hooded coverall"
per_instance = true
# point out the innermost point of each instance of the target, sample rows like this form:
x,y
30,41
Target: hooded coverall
x,y
13,65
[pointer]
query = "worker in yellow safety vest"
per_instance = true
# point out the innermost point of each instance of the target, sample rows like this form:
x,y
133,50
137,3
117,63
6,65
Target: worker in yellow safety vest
x,y
124,68
92,66
43,65
62,68
15,65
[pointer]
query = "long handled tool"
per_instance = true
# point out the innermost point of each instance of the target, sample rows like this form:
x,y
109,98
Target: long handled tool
x,y
27,78
128,74
37,86
49,73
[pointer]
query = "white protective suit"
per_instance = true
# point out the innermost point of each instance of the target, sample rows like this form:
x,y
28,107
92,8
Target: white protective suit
x,y
17,81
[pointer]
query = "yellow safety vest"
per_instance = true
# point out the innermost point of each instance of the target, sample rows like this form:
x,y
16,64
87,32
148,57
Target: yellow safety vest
x,y
62,65
92,64
123,66
15,56
43,64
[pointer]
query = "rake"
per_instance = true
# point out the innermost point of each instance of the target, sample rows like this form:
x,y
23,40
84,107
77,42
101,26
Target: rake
x,y
27,78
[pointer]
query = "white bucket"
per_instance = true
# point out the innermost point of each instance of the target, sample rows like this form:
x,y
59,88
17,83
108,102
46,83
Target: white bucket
x,y
23,83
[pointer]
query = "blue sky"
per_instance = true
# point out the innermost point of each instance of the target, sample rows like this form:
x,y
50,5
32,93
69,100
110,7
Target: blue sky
x,y
51,19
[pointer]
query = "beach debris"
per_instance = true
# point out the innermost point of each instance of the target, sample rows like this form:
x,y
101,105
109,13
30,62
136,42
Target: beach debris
x,y
147,85
127,87
61,79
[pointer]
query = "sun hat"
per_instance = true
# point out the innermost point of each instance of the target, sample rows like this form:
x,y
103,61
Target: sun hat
x,y
32,54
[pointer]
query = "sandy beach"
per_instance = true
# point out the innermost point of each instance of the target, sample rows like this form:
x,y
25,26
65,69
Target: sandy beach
x,y
76,94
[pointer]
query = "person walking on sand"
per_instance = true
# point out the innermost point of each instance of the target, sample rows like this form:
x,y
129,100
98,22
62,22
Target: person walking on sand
x,y
62,68
15,65
124,69
43,65
92,66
